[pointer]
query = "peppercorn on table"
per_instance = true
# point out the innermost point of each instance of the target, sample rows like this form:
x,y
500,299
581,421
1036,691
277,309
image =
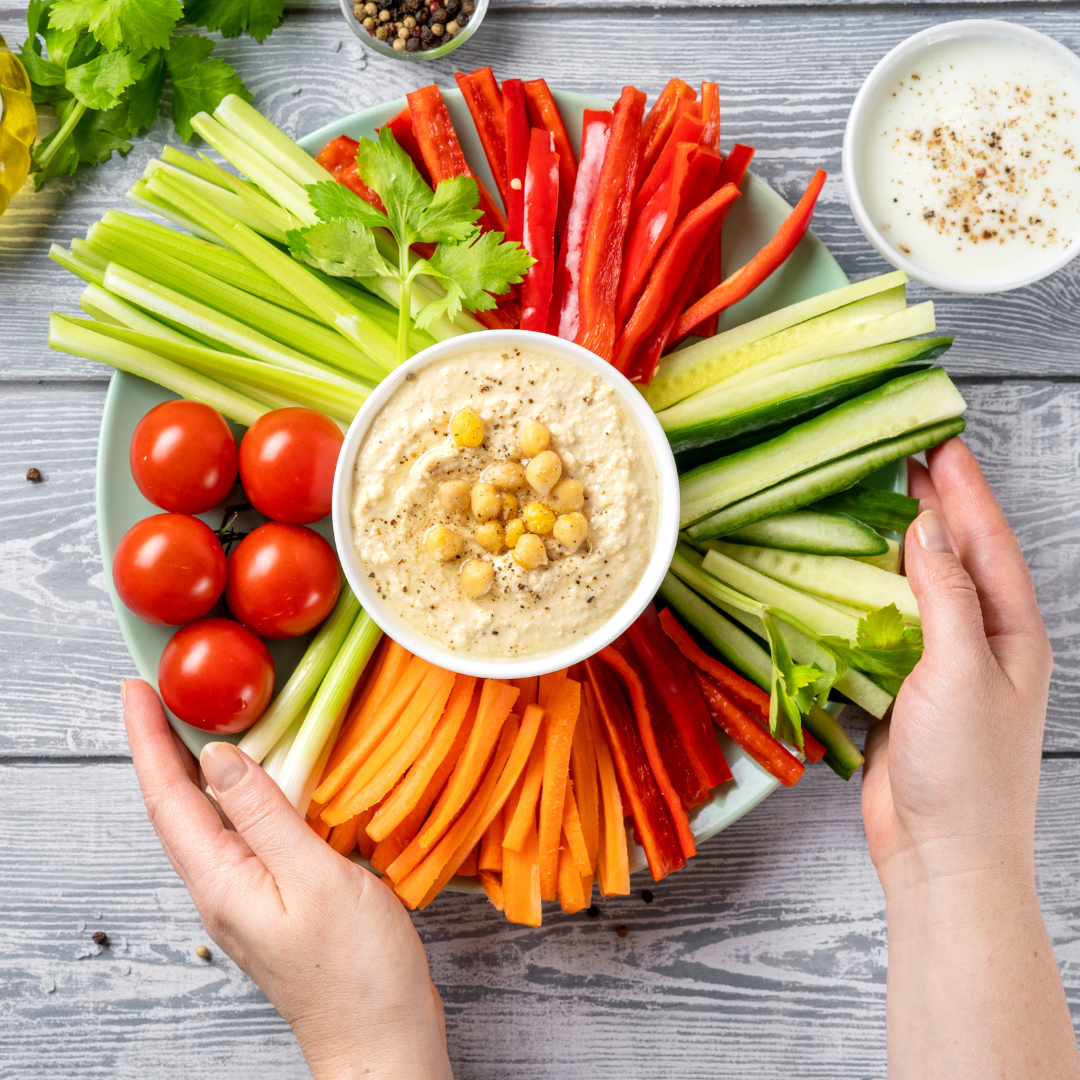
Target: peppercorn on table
x,y
766,956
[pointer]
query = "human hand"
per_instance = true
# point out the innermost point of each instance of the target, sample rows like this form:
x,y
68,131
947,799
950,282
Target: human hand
x,y
329,944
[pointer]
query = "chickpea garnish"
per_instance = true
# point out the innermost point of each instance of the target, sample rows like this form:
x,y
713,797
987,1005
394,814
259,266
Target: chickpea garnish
x,y
543,471
515,530
510,504
533,438
490,536
454,496
442,544
570,530
476,577
567,495
507,475
539,519
467,428
530,552
486,502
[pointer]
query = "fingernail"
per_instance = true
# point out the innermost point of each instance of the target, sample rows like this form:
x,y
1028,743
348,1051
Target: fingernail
x,y
930,531
222,765
123,692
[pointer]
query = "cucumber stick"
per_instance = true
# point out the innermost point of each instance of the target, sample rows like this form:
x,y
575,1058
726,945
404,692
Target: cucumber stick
x,y
889,561
813,532
881,509
811,486
692,369
784,395
900,406
846,581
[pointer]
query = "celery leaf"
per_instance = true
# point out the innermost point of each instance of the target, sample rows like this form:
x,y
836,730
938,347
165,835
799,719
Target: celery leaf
x,y
198,83
136,24
884,647
99,83
258,17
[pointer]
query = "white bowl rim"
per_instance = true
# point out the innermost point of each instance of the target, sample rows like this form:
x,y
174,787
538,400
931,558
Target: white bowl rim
x,y
667,527
945,32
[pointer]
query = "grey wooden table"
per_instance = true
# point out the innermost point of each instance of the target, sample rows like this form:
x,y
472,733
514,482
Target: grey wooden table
x,y
767,955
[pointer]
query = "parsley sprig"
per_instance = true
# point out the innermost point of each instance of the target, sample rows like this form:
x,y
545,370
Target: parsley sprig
x,y
473,267
102,66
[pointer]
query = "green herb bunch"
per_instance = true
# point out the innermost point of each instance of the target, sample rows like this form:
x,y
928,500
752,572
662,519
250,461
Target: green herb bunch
x,y
102,65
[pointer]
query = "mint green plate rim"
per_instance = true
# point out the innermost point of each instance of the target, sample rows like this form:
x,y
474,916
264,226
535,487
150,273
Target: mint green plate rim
x,y
752,222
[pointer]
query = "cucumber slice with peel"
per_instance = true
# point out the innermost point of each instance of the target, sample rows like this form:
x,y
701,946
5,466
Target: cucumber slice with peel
x,y
814,533
878,508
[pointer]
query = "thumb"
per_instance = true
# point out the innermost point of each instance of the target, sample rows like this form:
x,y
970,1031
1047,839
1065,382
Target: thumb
x,y
948,601
259,811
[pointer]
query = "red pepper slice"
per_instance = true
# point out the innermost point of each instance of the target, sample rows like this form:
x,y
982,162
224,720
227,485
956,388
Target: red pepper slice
x,y
658,125
710,114
338,157
402,130
674,274
485,102
641,795
516,114
442,152
541,203
544,113
563,319
669,675
602,263
769,258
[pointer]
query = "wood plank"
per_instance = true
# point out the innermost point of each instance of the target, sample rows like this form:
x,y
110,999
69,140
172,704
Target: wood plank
x,y
765,957
794,111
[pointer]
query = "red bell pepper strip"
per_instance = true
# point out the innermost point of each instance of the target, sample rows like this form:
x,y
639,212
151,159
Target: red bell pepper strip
x,y
517,156
660,121
544,113
563,320
638,787
710,114
636,689
769,258
651,230
770,754
485,102
669,675
338,157
674,273
401,128
541,203
602,262
442,152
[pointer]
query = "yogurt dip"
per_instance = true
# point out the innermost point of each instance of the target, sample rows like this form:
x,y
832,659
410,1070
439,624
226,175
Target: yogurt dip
x,y
966,157
410,458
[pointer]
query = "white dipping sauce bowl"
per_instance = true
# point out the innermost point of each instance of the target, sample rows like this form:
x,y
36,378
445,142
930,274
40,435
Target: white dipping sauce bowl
x,y
897,64
518,667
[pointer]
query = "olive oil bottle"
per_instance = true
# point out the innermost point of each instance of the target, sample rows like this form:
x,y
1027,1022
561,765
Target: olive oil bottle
x,y
18,125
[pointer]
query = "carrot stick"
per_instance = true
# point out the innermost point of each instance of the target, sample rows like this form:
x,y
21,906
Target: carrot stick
x,y
416,888
364,843
521,881
469,867
571,895
319,827
343,837
437,758
372,732
613,856
491,853
572,835
546,683
492,885
528,688
521,810
564,703
674,804
586,790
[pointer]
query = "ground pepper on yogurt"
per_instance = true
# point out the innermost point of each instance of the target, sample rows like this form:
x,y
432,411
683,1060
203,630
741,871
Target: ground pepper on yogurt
x,y
426,542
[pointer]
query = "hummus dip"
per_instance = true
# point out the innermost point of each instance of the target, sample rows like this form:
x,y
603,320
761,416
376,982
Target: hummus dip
x,y
410,451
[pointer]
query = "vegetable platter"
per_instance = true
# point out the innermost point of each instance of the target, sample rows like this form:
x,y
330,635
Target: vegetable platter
x,y
789,418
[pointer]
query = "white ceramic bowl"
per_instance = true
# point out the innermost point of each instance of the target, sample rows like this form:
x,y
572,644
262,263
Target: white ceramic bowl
x,y
522,666
893,66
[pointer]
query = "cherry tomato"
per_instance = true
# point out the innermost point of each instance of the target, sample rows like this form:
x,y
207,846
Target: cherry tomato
x,y
282,581
169,569
183,457
216,675
287,462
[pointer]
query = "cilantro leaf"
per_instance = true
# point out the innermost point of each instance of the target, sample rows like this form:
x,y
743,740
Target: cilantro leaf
x,y
145,96
99,83
884,647
451,215
257,17
331,200
343,247
137,24
388,170
198,84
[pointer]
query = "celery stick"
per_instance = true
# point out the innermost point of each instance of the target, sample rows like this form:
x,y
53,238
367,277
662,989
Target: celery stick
x,y
331,398
327,709
75,264
139,195
78,338
82,250
307,337
300,688
277,757
208,170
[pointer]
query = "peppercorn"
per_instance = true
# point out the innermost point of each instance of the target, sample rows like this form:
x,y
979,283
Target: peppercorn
x,y
462,20
422,17
622,930
593,912
202,952
358,11
425,45
426,35
371,8
438,29
438,15
468,6
646,895
413,44
382,33
100,937
410,22
453,6
399,44
452,28
33,475
369,24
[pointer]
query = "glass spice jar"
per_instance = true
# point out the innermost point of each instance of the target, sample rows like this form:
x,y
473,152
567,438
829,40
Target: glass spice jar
x,y
18,124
